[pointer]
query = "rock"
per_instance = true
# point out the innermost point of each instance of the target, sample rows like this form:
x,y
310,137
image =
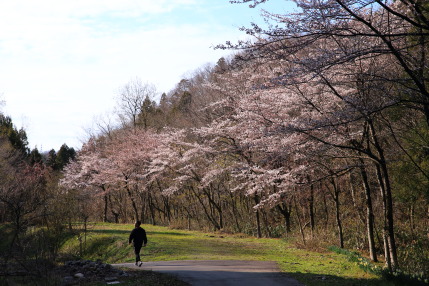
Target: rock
x,y
110,279
67,279
83,271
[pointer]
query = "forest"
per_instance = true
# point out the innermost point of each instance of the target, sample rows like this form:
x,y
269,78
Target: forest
x,y
315,130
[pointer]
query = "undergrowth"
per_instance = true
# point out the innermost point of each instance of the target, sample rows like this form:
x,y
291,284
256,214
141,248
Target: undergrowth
x,y
398,277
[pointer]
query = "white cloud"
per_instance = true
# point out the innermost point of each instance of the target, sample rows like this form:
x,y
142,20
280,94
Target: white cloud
x,y
79,8
63,61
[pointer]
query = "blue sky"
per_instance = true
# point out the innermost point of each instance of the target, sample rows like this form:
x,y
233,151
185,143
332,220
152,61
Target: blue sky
x,y
62,62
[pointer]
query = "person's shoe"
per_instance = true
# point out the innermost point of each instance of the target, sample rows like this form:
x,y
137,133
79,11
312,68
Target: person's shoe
x,y
136,263
140,265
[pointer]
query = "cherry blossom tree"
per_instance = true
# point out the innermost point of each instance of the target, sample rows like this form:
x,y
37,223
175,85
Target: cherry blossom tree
x,y
334,71
298,117
355,30
120,162
307,110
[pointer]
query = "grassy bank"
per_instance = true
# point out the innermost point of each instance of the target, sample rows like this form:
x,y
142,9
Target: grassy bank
x,y
109,242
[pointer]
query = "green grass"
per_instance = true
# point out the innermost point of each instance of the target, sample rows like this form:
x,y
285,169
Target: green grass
x,y
109,242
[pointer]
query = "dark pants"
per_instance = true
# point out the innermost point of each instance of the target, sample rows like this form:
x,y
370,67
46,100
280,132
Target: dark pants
x,y
137,249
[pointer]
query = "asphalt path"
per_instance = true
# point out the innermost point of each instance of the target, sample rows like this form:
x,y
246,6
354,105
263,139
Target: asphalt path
x,y
221,272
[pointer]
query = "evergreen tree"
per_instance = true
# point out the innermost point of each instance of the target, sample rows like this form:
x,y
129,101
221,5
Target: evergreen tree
x,y
64,156
184,104
34,157
51,159
147,111
17,138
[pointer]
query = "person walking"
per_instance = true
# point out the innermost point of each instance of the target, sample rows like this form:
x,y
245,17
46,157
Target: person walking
x,y
139,239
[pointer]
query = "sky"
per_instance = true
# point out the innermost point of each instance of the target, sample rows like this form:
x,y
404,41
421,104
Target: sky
x,y
62,62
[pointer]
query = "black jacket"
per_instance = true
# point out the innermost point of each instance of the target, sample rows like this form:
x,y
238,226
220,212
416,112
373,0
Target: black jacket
x,y
138,235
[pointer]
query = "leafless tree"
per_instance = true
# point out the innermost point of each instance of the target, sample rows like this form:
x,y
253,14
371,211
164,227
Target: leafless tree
x,y
130,100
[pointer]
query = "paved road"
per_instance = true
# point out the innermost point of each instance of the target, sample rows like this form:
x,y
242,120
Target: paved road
x,y
221,272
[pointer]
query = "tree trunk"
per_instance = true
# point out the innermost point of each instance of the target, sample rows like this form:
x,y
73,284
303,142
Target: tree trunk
x,y
359,209
115,214
209,216
412,227
390,219
390,264
166,204
336,197
167,209
258,219
266,224
214,206
133,202
386,191
188,215
235,211
311,210
369,214
219,209
301,229
105,209
326,211
285,211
